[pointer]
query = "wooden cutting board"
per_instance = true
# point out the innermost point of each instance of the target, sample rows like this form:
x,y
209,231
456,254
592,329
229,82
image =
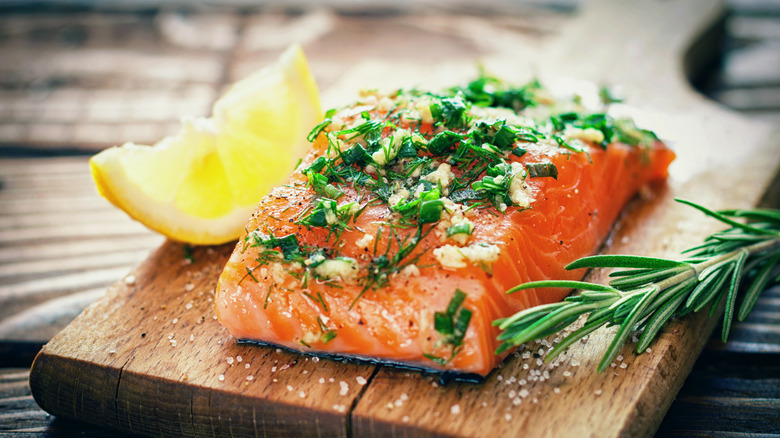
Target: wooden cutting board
x,y
150,358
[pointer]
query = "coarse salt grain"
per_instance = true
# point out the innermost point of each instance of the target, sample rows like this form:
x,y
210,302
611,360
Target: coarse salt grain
x,y
239,359
221,377
230,360
130,279
623,365
246,366
188,306
340,408
597,392
455,409
405,419
302,394
249,377
192,338
557,390
566,373
344,387
322,380
508,417
361,380
189,287
289,387
173,342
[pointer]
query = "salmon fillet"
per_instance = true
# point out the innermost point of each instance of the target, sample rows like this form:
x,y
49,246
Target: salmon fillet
x,y
399,233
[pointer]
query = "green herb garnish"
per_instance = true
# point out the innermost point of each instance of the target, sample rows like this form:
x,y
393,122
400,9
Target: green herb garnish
x,y
541,170
188,253
650,291
453,323
460,228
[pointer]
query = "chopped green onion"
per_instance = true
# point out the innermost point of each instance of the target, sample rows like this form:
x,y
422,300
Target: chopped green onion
x,y
442,322
455,302
430,211
541,170
443,142
407,150
317,165
460,228
355,154
505,137
464,317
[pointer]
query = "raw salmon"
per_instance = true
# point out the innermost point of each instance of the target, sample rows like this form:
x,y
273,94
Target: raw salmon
x,y
398,235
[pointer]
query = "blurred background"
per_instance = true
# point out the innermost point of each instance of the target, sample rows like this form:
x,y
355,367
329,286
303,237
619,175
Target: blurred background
x,y
79,76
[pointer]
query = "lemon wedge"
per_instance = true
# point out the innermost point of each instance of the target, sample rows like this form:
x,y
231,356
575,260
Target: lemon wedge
x,y
201,185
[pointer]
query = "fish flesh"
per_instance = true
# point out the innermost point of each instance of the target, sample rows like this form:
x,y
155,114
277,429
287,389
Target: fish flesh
x,y
398,235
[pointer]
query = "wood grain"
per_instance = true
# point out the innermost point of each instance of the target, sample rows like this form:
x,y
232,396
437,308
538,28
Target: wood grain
x,y
129,371
154,347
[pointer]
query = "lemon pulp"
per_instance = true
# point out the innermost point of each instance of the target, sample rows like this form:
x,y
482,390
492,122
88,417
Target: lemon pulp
x,y
201,185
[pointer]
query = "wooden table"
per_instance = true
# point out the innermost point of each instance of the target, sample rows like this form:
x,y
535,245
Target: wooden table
x,y
76,79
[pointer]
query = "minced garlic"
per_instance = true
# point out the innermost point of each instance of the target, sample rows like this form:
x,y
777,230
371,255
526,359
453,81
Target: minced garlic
x,y
454,257
588,134
519,190
442,176
364,241
342,268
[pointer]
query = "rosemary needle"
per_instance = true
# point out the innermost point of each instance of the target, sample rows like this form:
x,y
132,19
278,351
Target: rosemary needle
x,y
647,292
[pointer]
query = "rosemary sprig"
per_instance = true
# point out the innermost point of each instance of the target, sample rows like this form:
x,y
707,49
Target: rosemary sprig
x,y
647,292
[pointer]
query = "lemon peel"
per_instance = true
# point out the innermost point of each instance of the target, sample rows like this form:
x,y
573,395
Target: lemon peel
x,y
201,185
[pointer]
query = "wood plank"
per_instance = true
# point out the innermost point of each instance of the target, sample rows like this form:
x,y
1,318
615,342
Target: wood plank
x,y
253,386
49,250
39,323
155,351
41,268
